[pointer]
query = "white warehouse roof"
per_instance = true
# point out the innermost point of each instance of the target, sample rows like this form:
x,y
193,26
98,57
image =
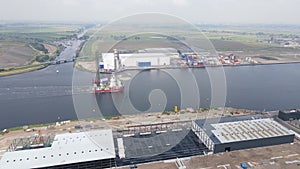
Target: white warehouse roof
x,y
66,149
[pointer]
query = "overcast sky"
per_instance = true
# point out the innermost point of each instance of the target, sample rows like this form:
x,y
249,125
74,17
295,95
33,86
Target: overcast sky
x,y
195,11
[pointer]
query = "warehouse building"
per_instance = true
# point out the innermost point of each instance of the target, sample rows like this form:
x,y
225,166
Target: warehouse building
x,y
135,59
289,114
93,149
159,145
243,132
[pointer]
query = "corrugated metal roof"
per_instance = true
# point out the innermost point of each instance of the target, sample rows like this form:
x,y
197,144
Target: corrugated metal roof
x,y
248,130
240,128
66,148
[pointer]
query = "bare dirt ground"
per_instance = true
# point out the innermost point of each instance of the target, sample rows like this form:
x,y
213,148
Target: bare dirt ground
x,y
115,123
14,54
51,49
85,65
277,59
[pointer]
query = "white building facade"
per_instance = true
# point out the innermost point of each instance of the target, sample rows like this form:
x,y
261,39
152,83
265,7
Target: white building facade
x,y
136,59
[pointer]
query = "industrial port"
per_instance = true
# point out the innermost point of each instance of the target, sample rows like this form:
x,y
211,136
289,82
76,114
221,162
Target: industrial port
x,y
187,138
162,58
175,84
228,138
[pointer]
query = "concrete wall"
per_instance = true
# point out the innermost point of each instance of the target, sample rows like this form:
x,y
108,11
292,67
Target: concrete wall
x,y
254,143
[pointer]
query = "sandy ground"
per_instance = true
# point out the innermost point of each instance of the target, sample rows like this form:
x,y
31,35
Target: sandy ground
x,y
89,66
51,49
276,59
115,123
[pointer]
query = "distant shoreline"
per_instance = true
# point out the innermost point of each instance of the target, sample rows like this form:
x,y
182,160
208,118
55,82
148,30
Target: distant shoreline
x,y
185,67
31,68
24,69
89,66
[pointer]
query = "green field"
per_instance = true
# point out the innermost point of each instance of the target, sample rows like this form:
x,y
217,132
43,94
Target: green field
x,y
39,32
14,53
244,41
23,45
105,40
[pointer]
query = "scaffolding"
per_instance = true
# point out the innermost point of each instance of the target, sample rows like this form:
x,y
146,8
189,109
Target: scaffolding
x,y
155,127
31,143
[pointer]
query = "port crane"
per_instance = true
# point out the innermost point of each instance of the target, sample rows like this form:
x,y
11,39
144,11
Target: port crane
x,y
115,85
188,58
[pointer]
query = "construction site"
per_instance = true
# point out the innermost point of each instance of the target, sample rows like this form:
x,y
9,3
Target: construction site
x,y
167,140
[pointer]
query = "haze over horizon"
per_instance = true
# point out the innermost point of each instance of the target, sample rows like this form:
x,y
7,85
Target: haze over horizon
x,y
195,11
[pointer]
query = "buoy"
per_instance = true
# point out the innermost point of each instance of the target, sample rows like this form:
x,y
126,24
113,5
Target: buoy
x,y
57,71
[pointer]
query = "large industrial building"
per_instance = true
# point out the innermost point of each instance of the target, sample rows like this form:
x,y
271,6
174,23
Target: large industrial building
x,y
93,149
145,143
289,114
242,132
100,149
135,59
159,145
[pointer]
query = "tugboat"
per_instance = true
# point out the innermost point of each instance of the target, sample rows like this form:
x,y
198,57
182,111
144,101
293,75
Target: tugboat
x,y
113,84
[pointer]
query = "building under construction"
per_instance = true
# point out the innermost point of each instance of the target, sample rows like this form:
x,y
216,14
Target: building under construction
x,y
158,141
143,143
105,148
93,149
241,132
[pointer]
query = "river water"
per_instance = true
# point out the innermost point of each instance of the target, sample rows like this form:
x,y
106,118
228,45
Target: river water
x,y
45,96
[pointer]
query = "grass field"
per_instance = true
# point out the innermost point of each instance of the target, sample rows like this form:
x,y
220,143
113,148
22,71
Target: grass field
x,y
42,32
21,69
20,44
14,54
131,39
105,41
51,48
243,41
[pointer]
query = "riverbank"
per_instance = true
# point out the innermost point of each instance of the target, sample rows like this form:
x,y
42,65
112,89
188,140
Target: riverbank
x,y
91,67
22,69
116,122
286,155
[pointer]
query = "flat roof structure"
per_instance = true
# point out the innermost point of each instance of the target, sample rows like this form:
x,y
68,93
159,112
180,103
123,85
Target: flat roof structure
x,y
159,145
248,130
289,114
233,133
66,149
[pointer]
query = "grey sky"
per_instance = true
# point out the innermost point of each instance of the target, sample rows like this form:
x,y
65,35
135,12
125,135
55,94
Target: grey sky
x,y
199,11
